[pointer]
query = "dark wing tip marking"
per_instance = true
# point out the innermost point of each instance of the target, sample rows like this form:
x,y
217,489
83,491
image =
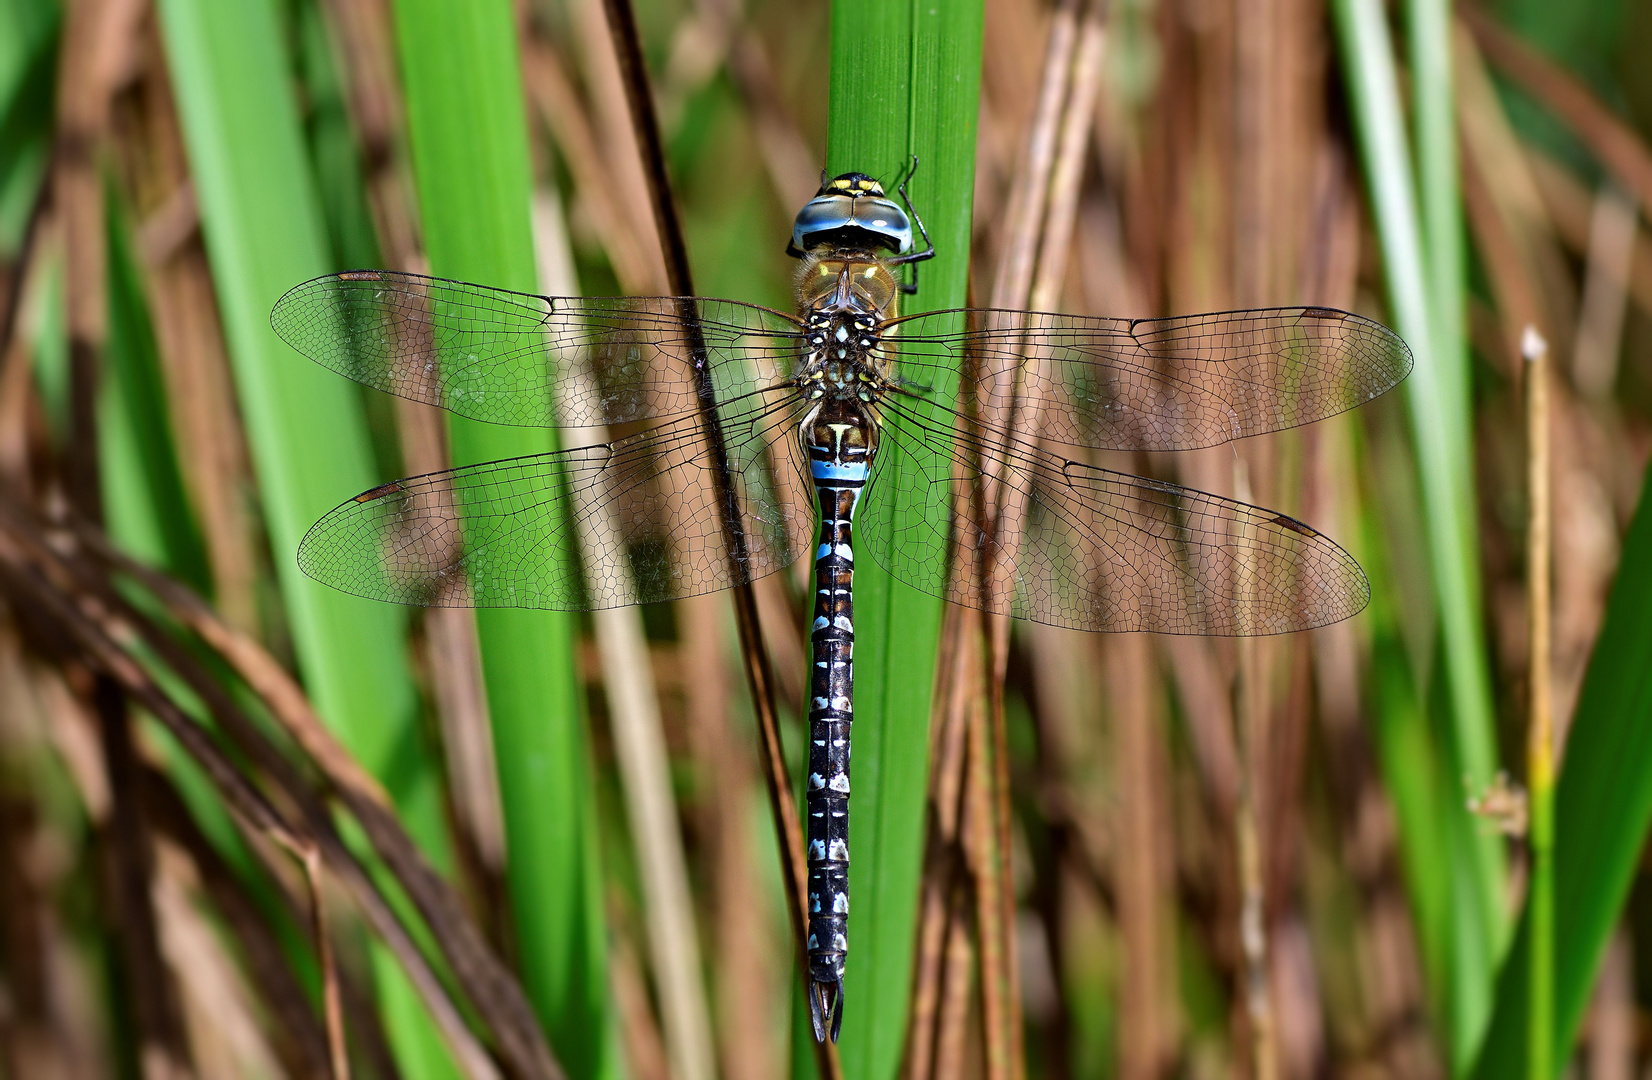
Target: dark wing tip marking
x,y
379,492
1292,524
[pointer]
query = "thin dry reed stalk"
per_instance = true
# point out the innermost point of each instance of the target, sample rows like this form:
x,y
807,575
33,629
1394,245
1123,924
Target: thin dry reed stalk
x,y
308,854
626,240
1508,192
1251,729
954,1028
1067,172
96,53
940,902
752,967
1052,148
1540,731
1506,212
980,837
1278,138
1570,206
1029,192
1143,873
205,421
613,130
1613,229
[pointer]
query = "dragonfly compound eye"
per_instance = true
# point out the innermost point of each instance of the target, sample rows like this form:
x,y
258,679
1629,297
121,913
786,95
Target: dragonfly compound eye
x,y
864,221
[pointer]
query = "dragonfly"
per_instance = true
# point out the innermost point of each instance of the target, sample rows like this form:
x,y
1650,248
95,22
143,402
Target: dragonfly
x,y
729,440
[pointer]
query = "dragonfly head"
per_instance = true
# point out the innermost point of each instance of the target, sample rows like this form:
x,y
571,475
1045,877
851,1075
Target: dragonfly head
x,y
851,212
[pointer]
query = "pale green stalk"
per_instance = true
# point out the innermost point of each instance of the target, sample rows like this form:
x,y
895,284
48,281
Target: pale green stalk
x,y
1422,260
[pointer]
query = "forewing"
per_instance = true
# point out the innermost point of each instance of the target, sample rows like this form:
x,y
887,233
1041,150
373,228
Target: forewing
x,y
1155,384
1088,548
499,534
514,358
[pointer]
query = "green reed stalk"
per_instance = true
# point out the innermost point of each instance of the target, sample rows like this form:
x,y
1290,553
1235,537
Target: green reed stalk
x,y
905,80
1422,259
463,84
305,428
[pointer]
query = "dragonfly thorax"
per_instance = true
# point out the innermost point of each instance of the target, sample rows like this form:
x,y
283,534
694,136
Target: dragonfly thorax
x,y
839,361
845,279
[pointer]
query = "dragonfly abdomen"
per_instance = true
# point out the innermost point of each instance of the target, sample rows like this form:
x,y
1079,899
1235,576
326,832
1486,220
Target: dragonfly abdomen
x,y
839,439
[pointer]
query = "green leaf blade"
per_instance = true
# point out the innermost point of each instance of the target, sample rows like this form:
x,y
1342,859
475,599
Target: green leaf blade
x,y
470,157
905,81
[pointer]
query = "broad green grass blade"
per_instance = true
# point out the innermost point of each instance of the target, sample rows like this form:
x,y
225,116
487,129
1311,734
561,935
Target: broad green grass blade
x,y
1423,265
304,425
905,80
1603,806
470,156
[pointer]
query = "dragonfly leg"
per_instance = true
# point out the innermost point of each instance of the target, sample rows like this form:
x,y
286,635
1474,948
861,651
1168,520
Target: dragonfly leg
x,y
915,257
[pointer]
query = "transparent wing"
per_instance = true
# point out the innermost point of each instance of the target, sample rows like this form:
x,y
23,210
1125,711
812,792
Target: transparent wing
x,y
1156,384
1088,548
513,358
497,535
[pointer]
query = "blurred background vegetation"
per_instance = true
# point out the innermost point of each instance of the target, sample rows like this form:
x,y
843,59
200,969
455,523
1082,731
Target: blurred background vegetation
x,y
251,828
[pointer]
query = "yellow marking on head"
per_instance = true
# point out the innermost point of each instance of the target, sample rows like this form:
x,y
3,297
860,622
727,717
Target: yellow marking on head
x,y
855,185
